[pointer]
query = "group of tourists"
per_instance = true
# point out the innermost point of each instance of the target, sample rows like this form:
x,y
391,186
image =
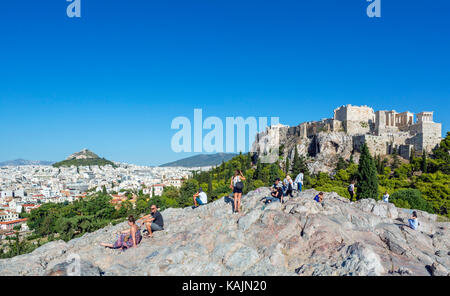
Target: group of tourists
x,y
280,190
132,237
351,191
236,185
154,221
413,222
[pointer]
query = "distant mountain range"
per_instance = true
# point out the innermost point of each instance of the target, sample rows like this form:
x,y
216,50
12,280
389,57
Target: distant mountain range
x,y
201,160
20,162
84,158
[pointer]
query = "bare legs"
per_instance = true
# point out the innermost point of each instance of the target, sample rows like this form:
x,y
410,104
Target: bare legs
x,y
195,201
148,225
107,245
237,202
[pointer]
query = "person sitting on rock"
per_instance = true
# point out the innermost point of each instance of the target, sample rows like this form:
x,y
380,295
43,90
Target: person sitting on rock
x,y
413,222
200,198
319,197
276,194
386,197
128,238
153,222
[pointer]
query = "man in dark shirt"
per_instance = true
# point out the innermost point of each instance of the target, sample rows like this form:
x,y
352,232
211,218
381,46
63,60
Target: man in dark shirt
x,y
276,193
154,221
277,190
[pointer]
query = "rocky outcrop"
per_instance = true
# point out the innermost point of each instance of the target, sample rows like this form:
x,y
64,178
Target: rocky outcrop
x,y
83,154
299,237
322,149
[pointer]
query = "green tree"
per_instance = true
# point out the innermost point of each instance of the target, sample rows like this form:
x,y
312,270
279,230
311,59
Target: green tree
x,y
296,166
424,165
287,166
412,198
351,161
341,164
210,187
367,175
396,160
187,190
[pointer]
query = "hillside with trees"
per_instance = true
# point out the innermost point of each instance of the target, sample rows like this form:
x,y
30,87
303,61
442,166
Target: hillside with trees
x,y
421,183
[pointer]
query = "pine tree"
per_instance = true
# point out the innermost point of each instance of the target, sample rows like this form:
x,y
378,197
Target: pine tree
x,y
367,175
210,188
305,170
287,166
273,172
351,161
412,156
296,166
341,164
258,171
424,163
396,162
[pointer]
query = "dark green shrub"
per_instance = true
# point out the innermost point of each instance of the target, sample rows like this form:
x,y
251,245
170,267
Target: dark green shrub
x,y
413,198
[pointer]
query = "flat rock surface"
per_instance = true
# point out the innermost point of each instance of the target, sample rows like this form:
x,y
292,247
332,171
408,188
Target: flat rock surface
x,y
299,237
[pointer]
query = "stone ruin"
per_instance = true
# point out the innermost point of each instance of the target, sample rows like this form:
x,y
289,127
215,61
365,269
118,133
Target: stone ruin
x,y
383,131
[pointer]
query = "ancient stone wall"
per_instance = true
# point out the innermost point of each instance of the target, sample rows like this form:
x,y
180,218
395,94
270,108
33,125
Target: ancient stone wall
x,y
427,135
357,127
354,113
383,131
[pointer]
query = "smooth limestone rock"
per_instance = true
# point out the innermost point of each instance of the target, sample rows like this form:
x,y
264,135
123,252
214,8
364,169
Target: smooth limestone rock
x,y
299,237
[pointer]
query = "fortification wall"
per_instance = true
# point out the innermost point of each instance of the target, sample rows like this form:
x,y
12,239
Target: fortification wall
x,y
354,113
426,136
357,127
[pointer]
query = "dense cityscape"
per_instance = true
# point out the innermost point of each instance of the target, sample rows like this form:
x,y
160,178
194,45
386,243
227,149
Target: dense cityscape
x,y
24,188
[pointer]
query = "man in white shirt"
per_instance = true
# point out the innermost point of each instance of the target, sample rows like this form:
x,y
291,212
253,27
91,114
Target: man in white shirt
x,y
299,181
200,198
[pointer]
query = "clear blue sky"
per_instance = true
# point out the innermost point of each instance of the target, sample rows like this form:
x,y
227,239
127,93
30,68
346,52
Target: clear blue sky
x,y
113,80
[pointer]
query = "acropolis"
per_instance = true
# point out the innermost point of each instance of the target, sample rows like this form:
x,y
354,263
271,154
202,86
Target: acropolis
x,y
383,131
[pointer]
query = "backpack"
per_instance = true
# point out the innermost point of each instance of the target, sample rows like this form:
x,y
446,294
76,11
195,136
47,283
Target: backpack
x,y
239,185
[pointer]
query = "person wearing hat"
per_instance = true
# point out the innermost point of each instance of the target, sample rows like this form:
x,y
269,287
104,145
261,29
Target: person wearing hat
x,y
200,198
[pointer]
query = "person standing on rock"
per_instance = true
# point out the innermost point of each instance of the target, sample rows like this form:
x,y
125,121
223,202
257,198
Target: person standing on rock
x,y
153,222
413,222
128,238
237,185
386,197
351,190
289,186
299,181
200,198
